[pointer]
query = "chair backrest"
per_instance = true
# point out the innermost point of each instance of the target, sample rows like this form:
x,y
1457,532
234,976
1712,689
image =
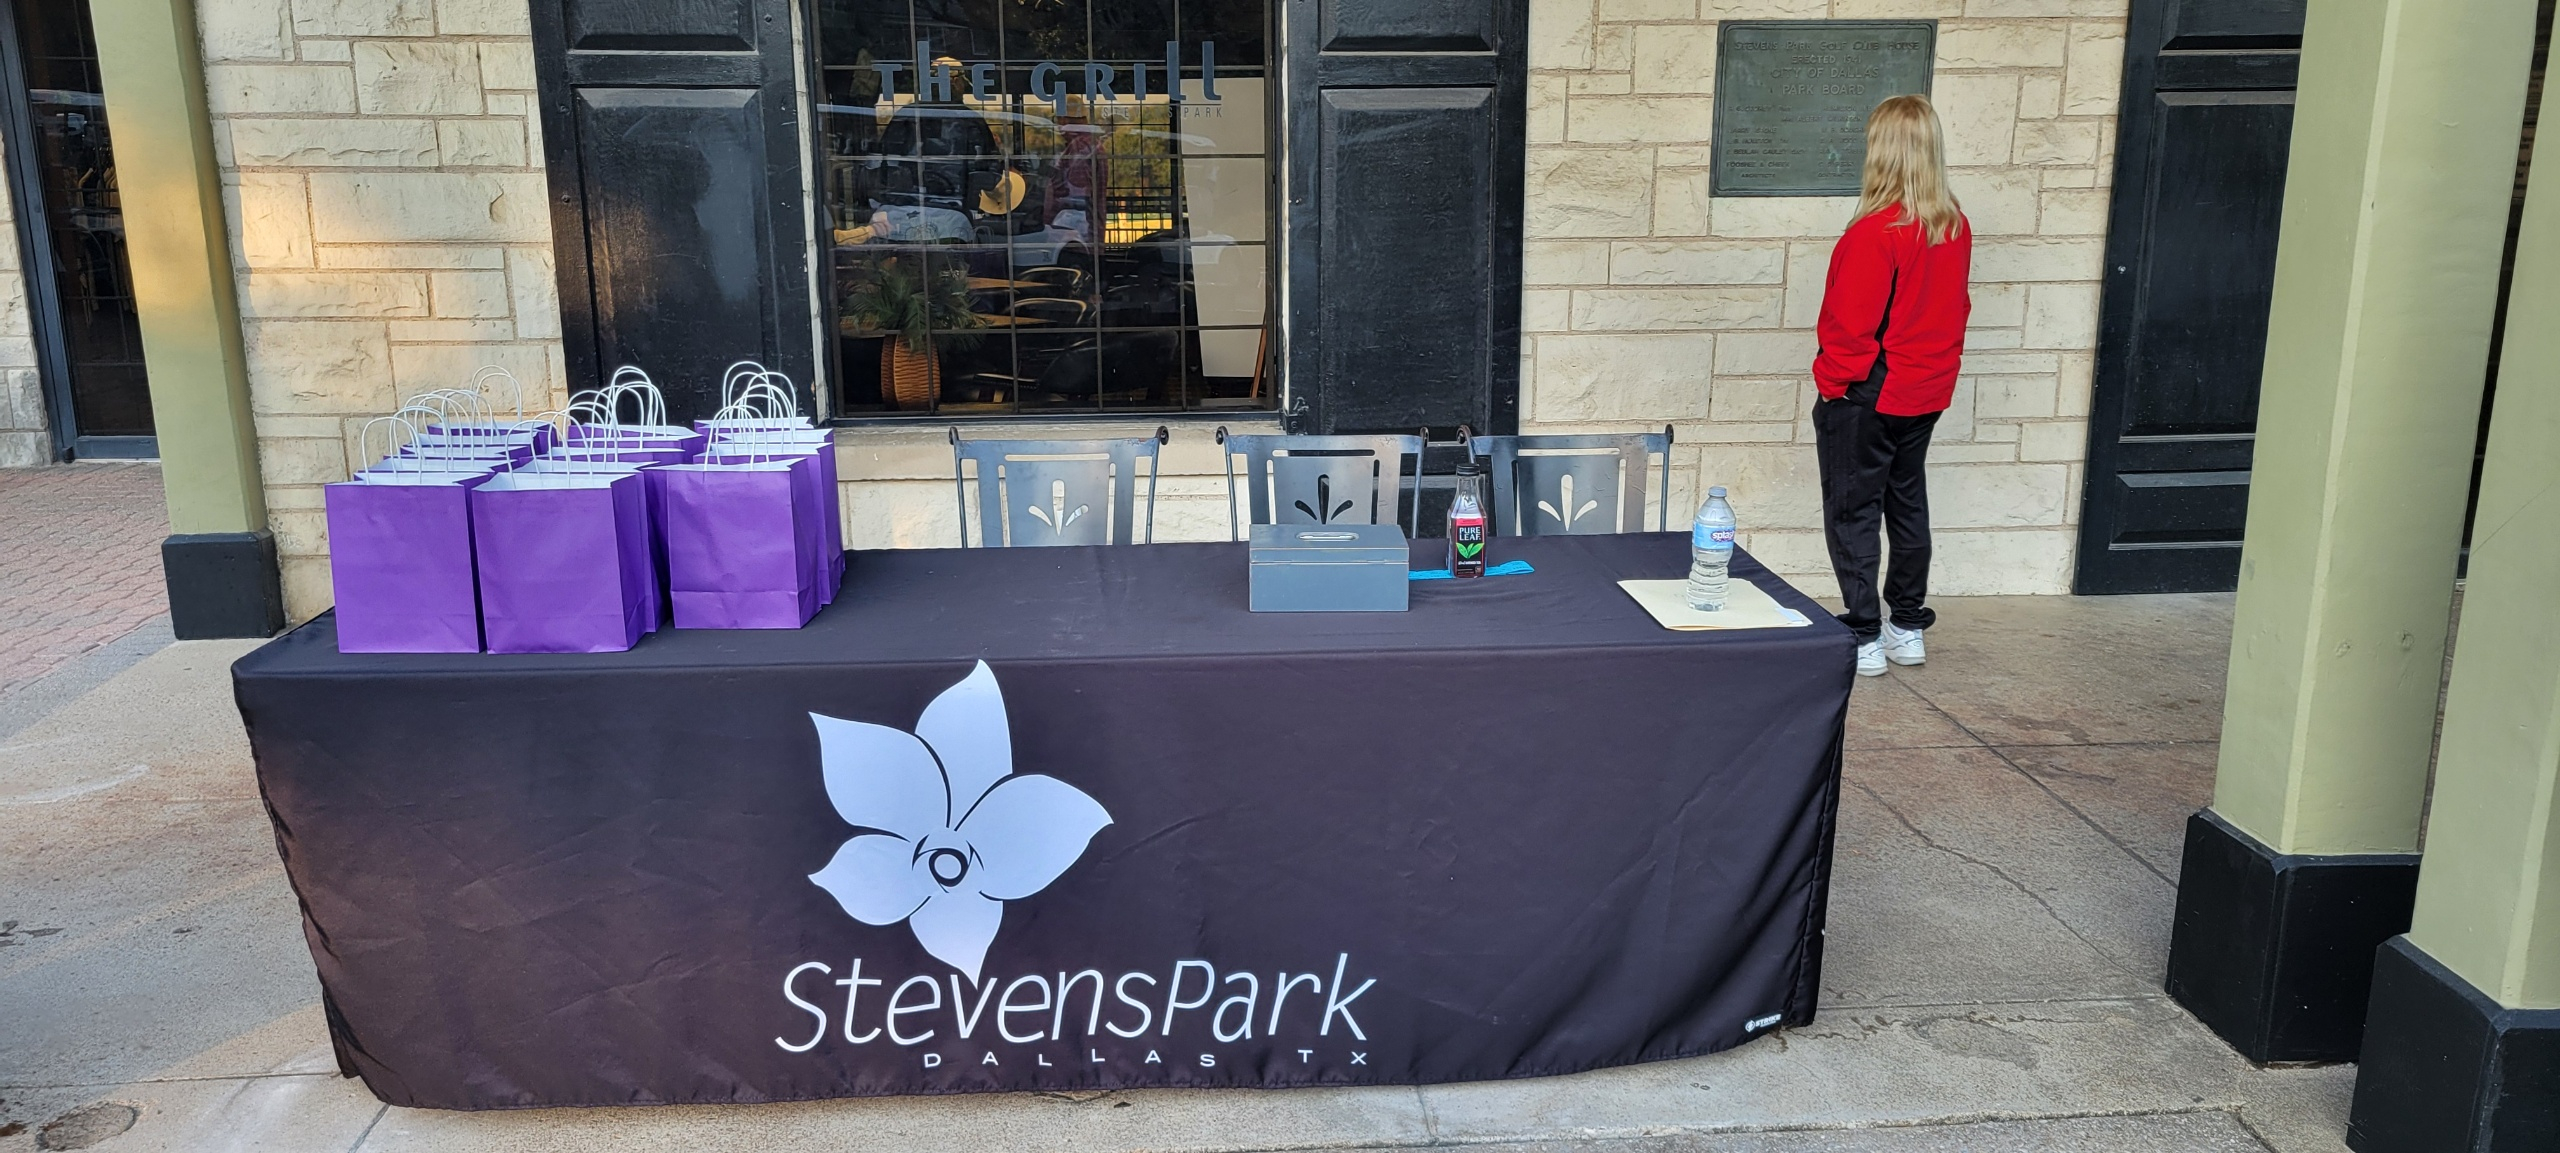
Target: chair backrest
x,y
1575,485
1318,479
1056,492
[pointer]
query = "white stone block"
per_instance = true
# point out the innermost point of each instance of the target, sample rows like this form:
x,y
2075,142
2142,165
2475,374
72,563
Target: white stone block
x,y
1674,309
453,332
2054,440
1654,378
364,18
271,217
1998,496
2034,562
483,18
2062,316
2072,212
368,143
2095,80
2040,96
412,78
1766,354
1565,262
1695,262
471,295
481,143
1638,119
2072,395
420,367
313,295
536,292
2071,143
1980,113
324,51
1597,84
1784,216
1546,108
1999,202
1560,33
1546,310
1675,58
268,89
2002,46
1763,9
1619,10
2012,397
1999,305
1589,192
1808,273
1895,9
2034,260
411,207
1769,400
1982,339
1994,9
245,29
312,366
1613,49
1682,205
1770,486
409,257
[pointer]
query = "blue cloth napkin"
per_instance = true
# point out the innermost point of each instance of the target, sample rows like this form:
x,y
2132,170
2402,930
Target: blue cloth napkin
x,y
1506,568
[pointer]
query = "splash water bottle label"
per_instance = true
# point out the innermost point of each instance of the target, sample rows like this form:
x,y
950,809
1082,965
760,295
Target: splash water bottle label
x,y
1700,536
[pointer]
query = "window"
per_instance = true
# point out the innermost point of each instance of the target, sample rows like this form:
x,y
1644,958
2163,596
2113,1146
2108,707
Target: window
x,y
1027,215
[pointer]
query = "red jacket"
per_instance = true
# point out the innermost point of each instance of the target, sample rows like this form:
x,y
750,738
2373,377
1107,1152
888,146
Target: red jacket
x,y
1890,293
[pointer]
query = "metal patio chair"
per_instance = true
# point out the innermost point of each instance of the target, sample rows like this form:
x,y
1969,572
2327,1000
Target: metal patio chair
x,y
1055,492
1319,479
1575,485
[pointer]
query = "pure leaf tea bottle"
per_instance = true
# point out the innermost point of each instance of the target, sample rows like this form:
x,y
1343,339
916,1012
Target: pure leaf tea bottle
x,y
1467,524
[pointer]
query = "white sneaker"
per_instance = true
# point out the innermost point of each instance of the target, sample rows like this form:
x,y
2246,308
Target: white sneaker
x,y
1903,646
1871,659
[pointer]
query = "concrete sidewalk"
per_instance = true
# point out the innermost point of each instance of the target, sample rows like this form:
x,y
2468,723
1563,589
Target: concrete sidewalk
x,y
1999,925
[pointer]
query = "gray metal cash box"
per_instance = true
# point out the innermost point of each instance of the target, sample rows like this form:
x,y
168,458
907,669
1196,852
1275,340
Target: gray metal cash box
x,y
1329,568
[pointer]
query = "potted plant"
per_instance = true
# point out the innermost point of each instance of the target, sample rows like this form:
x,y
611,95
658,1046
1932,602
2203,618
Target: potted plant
x,y
906,300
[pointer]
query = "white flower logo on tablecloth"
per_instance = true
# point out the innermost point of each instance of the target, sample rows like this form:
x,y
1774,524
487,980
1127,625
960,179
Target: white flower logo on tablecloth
x,y
950,834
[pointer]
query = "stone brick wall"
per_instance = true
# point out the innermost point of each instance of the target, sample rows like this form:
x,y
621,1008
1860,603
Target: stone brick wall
x,y
1649,302
24,439
382,167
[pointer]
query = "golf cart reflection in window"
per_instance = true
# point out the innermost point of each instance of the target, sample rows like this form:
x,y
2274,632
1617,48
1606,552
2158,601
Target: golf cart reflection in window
x,y
1046,206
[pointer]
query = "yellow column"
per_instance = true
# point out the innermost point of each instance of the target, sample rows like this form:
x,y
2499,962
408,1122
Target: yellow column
x,y
2402,167
2462,1045
220,561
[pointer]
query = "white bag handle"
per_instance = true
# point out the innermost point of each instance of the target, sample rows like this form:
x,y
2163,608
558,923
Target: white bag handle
x,y
392,426
514,387
742,370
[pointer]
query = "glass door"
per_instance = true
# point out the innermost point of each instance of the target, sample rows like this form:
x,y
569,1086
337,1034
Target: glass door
x,y
71,233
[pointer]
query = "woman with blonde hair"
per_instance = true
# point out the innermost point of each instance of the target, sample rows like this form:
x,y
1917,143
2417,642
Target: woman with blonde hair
x,y
1892,332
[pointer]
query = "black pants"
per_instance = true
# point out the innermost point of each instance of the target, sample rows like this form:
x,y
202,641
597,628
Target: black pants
x,y
1873,469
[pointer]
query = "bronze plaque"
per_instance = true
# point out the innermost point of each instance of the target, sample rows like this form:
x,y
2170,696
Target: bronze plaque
x,y
1792,98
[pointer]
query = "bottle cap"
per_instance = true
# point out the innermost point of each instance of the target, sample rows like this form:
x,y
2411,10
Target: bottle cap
x,y
1467,468
1716,491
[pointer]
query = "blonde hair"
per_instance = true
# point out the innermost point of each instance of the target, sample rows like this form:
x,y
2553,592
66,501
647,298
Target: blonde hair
x,y
1907,167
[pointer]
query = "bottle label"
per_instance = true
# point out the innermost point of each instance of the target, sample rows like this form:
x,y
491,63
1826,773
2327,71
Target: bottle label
x,y
1700,536
1466,535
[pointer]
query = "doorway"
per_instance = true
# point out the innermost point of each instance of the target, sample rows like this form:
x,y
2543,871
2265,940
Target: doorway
x,y
2190,268
62,177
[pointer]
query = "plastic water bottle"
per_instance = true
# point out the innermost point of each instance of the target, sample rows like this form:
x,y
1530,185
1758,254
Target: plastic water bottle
x,y
1710,552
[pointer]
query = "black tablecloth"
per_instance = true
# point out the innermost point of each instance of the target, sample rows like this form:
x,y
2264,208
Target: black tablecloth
x,y
1517,830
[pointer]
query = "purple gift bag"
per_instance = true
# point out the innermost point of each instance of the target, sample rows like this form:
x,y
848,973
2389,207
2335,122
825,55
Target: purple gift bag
x,y
564,561
825,523
401,562
742,544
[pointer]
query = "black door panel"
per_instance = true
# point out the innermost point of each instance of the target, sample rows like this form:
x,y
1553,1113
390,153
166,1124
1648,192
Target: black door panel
x,y
1408,191
1408,126
672,133
2191,246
